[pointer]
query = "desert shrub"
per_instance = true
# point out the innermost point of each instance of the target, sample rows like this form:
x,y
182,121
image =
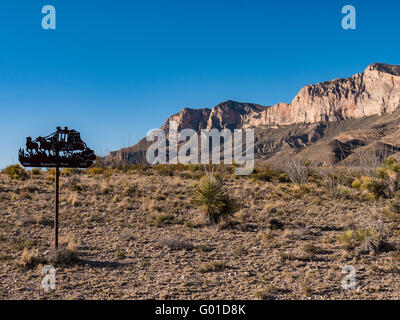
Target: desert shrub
x,y
141,168
378,187
105,189
385,183
267,293
164,218
120,254
66,253
29,260
333,180
15,171
312,249
100,163
370,238
210,196
51,173
389,166
275,224
229,207
73,200
272,207
66,172
193,167
25,244
267,174
356,184
389,172
130,191
176,243
261,174
36,171
369,161
212,267
283,177
165,170
63,256
297,171
73,183
94,171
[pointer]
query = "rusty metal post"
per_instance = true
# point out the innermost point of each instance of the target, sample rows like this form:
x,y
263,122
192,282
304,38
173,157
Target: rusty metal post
x,y
56,209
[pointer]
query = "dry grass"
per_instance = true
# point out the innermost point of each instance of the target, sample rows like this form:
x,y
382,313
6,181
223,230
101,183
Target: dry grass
x,y
135,234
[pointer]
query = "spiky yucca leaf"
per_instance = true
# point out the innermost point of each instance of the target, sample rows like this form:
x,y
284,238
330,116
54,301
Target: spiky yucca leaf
x,y
210,197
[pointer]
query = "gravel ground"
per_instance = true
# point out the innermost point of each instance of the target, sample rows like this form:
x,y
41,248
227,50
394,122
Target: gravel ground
x,y
139,237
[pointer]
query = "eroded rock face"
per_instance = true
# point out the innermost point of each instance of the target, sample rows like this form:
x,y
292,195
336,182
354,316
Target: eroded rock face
x,y
189,118
374,92
317,111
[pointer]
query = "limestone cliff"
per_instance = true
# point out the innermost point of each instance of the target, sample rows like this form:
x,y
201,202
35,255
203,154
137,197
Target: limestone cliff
x,y
374,92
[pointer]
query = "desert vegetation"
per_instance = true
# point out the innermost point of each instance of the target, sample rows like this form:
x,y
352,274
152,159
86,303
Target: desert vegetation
x,y
195,232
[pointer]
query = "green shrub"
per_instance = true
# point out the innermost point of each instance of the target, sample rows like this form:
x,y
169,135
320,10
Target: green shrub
x,y
389,172
370,238
378,187
210,196
66,172
263,175
15,171
386,182
94,171
130,191
164,218
356,184
36,171
267,174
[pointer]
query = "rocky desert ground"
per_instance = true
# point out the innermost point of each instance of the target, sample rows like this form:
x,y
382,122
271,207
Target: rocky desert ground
x,y
137,234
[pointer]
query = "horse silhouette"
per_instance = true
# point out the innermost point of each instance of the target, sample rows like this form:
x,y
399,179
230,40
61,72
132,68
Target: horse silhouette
x,y
31,146
45,145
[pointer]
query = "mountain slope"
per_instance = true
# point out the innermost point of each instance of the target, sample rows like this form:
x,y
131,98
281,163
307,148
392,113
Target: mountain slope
x,y
325,121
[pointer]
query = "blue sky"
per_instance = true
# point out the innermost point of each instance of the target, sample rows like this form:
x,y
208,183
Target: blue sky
x,y
115,69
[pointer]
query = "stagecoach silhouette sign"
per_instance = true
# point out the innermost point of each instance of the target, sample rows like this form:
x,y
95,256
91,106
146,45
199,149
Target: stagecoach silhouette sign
x,y
61,149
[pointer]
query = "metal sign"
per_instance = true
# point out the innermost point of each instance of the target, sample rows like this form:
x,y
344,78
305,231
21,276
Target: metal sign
x,y
61,149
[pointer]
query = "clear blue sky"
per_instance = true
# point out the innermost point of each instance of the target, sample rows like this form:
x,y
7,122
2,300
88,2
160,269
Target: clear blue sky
x,y
115,69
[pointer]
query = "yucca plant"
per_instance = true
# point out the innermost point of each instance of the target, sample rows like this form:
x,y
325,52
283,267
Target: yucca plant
x,y
210,197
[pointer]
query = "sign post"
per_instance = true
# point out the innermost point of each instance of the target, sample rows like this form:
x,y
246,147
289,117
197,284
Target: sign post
x,y
61,149
56,209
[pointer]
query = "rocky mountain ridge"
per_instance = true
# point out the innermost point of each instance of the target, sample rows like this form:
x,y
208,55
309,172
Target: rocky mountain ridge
x,y
370,94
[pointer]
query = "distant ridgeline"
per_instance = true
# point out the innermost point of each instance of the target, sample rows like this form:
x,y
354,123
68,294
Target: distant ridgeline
x,y
352,112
